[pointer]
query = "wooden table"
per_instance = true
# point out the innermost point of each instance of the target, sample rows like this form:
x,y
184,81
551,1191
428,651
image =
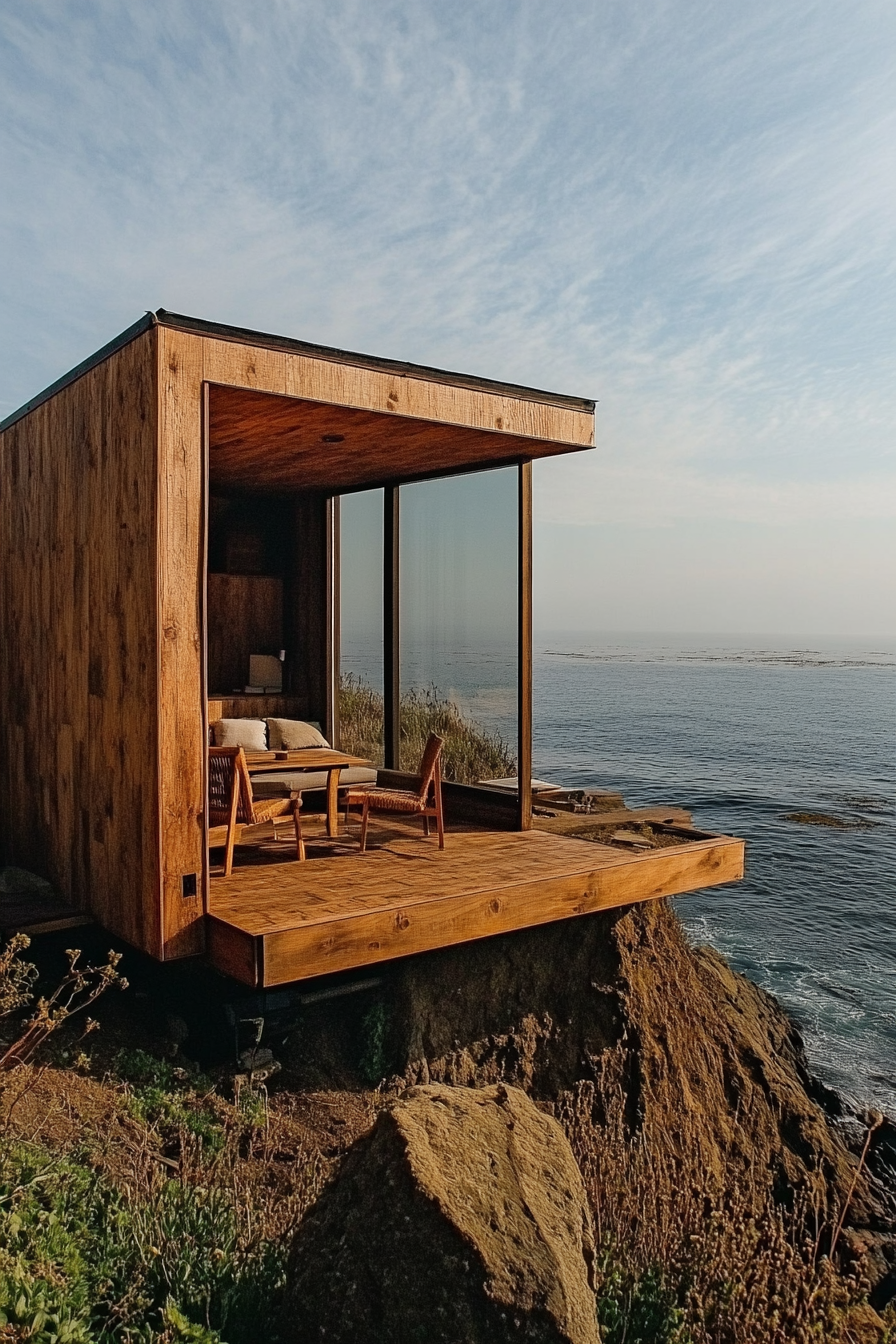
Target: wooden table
x,y
308,759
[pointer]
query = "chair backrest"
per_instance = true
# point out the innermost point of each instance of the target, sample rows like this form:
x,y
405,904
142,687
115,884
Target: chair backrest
x,y
227,770
430,764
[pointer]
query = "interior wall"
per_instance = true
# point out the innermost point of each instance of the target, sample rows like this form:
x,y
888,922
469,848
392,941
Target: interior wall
x,y
268,591
308,615
250,546
245,617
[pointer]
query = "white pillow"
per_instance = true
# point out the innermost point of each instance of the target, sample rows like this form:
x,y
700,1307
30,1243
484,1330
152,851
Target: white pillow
x,y
293,735
246,733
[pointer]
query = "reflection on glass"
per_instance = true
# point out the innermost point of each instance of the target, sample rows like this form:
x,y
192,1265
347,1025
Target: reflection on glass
x,y
458,622
361,624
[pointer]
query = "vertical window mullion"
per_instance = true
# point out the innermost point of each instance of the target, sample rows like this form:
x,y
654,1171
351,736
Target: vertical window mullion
x,y
524,659
391,645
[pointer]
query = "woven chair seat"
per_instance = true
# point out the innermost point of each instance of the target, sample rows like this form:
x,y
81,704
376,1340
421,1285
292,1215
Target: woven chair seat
x,y
262,810
231,804
387,800
267,808
425,801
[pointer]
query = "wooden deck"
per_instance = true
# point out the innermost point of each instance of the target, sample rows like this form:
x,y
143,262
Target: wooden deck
x,y
272,923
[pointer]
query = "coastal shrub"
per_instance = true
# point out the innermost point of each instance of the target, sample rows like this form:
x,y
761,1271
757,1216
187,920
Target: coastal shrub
x,y
470,753
17,976
636,1308
84,1260
171,1099
360,718
161,1222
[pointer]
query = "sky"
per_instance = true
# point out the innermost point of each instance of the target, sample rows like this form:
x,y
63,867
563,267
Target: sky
x,y
685,210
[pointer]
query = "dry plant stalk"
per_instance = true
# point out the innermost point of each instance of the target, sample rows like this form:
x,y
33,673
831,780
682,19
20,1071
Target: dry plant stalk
x,y
78,989
17,977
875,1121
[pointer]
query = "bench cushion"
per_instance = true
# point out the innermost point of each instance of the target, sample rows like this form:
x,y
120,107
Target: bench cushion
x,y
250,734
294,735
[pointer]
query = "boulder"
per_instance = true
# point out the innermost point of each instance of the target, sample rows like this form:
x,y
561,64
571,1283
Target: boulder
x,y
460,1219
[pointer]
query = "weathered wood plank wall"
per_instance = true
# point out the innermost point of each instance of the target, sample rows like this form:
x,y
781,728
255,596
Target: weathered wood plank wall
x,y
78,759
245,616
181,578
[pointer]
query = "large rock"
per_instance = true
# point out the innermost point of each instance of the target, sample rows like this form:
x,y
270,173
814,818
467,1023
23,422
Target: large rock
x,y
460,1219
621,1000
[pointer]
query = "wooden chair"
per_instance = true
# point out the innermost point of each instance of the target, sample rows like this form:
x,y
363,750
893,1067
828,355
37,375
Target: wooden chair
x,y
231,805
426,802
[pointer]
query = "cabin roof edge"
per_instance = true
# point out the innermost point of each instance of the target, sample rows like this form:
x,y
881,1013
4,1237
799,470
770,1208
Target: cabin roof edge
x,y
403,368
246,336
130,333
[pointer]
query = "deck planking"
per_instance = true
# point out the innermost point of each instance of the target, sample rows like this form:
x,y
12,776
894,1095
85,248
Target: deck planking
x,y
276,923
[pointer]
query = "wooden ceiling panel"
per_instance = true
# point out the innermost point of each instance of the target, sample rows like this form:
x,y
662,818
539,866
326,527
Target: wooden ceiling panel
x,y
262,442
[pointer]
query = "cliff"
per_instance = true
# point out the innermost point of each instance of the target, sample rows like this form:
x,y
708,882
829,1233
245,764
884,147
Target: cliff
x,y
670,1072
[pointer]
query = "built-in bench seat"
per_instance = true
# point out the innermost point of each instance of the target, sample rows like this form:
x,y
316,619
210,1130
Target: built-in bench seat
x,y
272,783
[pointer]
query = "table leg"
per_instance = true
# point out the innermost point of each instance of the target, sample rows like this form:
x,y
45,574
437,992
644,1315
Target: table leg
x,y
332,802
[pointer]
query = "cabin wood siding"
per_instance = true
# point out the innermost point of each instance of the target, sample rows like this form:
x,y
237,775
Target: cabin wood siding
x,y
78,757
183,731
313,379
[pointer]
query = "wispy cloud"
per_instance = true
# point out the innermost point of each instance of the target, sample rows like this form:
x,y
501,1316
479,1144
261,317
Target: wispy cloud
x,y
685,211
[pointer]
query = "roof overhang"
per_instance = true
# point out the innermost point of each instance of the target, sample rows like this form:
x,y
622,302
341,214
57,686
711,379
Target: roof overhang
x,y
358,420
260,442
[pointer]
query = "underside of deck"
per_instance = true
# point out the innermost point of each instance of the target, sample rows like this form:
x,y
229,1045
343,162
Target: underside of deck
x,y
273,923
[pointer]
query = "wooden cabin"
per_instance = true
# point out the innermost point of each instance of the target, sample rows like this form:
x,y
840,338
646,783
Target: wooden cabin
x,y
126,608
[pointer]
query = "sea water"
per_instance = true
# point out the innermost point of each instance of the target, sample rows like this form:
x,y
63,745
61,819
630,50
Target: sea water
x,y
746,732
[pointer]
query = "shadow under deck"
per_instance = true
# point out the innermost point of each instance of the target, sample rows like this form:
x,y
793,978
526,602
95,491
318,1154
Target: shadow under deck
x,y
273,923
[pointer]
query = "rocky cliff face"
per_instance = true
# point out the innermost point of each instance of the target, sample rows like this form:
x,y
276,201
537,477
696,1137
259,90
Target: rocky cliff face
x,y
617,1026
618,1011
623,1000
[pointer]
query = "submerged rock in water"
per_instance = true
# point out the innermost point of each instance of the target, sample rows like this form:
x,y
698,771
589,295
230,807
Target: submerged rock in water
x,y
462,1216
835,823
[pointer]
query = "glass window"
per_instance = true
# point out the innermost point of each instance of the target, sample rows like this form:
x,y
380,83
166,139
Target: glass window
x,y
458,622
361,624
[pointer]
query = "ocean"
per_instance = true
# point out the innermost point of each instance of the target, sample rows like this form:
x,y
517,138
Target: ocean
x,y
743,732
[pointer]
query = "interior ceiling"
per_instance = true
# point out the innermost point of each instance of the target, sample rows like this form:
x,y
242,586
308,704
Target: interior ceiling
x,y
262,442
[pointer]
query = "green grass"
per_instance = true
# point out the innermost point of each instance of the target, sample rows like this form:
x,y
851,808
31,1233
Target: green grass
x,y
171,1100
470,753
155,1225
637,1308
86,1262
